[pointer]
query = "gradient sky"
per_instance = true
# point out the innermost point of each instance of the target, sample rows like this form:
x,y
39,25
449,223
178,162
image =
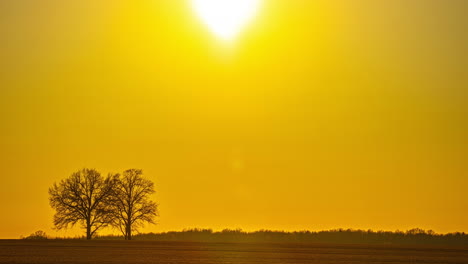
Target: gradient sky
x,y
321,114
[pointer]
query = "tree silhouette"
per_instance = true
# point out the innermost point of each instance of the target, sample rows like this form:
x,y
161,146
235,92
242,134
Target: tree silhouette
x,y
131,205
83,198
38,235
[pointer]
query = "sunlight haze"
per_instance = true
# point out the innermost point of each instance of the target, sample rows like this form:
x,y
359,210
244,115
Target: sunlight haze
x,y
226,18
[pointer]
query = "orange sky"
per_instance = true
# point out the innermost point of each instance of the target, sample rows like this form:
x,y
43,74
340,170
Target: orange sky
x,y
321,114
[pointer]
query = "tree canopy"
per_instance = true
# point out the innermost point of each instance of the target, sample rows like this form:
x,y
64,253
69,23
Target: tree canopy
x,y
95,202
132,207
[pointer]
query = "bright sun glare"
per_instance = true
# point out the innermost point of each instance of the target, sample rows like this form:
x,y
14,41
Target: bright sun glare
x,y
226,17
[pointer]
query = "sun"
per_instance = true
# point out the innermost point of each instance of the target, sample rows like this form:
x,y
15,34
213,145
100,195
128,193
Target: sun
x,y
226,18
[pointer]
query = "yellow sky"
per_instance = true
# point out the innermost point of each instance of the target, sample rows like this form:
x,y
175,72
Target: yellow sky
x,y
321,114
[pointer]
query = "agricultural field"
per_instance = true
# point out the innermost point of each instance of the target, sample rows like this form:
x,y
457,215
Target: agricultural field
x,y
79,251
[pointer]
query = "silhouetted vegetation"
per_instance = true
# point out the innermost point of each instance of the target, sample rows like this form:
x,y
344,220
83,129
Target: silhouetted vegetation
x,y
38,235
95,202
338,236
131,207
83,198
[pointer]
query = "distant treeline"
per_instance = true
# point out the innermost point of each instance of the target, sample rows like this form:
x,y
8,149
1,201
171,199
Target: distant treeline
x,y
340,236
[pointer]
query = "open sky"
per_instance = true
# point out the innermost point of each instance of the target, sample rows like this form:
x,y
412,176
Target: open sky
x,y
319,114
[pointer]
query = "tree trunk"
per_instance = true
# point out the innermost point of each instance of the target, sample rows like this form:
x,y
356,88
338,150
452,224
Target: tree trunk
x,y
129,232
88,229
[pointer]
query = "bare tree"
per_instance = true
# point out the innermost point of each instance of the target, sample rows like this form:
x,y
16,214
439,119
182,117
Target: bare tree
x,y
83,198
132,206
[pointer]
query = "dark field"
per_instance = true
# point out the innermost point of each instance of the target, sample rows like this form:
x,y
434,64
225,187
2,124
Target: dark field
x,y
55,251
